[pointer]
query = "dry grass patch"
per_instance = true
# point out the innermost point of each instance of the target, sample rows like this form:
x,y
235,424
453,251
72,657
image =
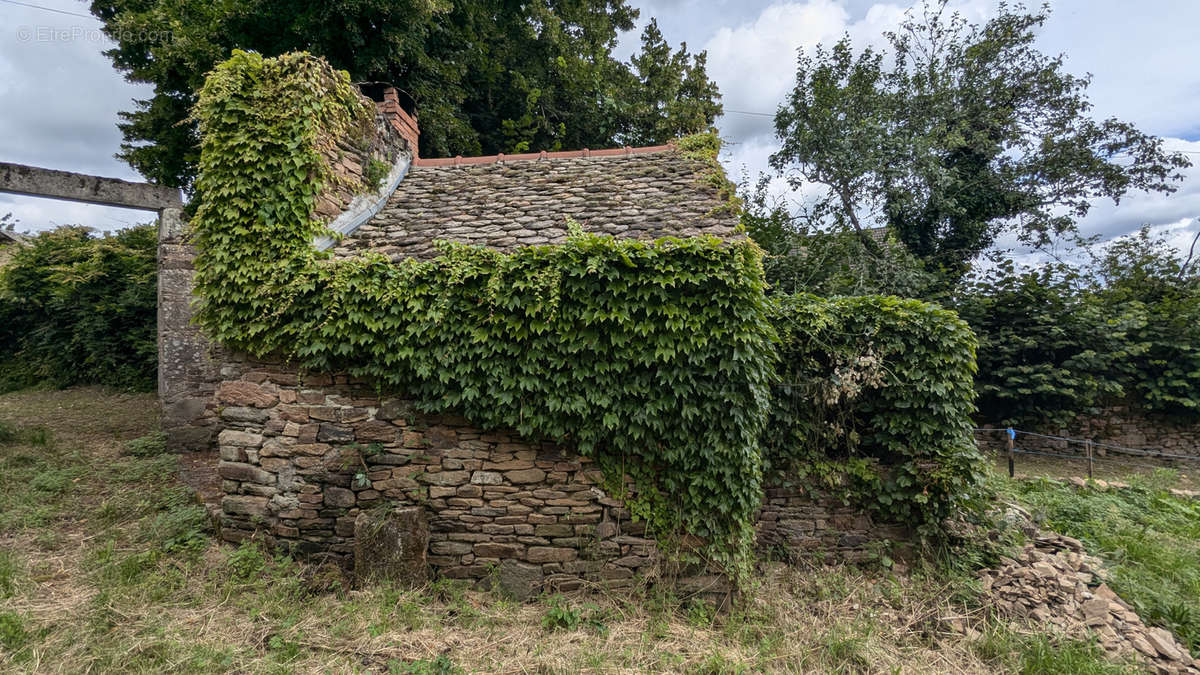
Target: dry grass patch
x,y
107,565
243,610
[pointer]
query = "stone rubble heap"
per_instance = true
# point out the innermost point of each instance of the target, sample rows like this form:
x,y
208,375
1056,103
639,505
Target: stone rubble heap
x,y
1098,484
1054,583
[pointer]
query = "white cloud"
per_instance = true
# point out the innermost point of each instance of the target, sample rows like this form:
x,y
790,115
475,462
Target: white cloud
x,y
754,64
1142,55
61,97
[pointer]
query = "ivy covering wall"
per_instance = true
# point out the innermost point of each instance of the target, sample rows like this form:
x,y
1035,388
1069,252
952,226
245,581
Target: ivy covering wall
x,y
873,401
655,358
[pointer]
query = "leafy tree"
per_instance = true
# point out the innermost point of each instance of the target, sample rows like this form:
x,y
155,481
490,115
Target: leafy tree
x,y
486,77
1146,277
670,94
1063,340
801,258
1047,349
78,309
1146,267
957,133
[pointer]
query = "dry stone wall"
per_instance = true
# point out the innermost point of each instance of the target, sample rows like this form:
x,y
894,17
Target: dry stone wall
x,y
302,458
793,523
1117,425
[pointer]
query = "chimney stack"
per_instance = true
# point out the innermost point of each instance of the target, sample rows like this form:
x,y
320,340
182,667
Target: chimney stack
x,y
387,102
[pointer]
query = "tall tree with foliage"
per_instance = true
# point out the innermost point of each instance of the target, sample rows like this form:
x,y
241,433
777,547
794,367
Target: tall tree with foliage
x,y
670,94
958,133
801,258
486,77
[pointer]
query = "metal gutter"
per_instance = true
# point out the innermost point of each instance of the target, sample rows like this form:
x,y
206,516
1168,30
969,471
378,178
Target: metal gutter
x,y
364,207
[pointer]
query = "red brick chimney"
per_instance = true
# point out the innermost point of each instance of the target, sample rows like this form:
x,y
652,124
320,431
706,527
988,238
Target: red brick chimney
x,y
387,101
403,122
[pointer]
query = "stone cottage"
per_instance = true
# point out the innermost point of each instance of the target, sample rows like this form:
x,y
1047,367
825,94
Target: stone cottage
x,y
10,241
291,444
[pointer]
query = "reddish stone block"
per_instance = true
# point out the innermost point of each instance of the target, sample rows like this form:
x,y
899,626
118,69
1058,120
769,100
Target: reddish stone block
x,y
292,413
375,431
242,393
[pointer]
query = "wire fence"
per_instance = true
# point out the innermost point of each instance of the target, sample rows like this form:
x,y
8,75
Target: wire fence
x,y
1089,451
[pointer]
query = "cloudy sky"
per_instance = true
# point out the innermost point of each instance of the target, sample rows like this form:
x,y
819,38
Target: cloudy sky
x,y
61,97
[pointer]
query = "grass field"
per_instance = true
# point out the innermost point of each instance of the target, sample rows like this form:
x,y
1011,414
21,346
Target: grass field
x,y
108,564
1182,475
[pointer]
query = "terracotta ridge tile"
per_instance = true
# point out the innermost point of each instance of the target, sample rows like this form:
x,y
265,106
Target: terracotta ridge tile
x,y
566,154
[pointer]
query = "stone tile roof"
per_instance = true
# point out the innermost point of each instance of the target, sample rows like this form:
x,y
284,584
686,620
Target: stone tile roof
x,y
523,200
11,237
879,234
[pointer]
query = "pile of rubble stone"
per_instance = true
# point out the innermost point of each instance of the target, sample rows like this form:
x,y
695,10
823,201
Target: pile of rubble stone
x,y
1098,484
1054,583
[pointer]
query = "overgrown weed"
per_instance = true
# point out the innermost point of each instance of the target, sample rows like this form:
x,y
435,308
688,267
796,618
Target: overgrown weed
x,y
1041,654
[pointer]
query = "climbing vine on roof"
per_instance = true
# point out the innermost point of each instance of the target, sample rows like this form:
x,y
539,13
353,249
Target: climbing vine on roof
x,y
653,358
657,359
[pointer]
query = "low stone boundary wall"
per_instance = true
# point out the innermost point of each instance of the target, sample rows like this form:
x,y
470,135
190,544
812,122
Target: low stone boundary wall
x,y
301,458
792,523
1117,426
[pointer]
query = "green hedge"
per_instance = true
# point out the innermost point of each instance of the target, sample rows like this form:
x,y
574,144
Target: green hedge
x,y
874,399
80,309
1062,341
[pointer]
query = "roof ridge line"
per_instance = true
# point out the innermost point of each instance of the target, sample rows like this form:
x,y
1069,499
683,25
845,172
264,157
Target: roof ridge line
x,y
563,154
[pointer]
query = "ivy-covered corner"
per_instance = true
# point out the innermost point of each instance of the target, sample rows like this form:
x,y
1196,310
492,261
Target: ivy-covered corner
x,y
654,358
873,403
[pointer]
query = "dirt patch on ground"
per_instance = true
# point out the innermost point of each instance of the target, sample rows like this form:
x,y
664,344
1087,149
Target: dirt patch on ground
x,y
98,417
